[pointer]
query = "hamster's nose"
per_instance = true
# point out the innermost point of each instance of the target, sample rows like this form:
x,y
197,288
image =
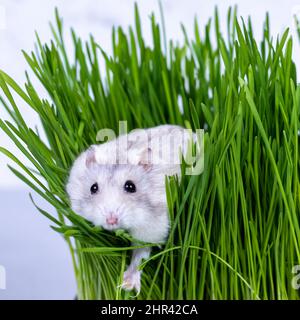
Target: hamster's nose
x,y
112,220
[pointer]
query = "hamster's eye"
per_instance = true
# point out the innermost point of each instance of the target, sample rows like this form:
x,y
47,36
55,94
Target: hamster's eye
x,y
129,186
94,188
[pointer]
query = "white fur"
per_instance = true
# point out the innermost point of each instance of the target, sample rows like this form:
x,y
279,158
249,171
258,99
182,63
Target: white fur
x,y
144,213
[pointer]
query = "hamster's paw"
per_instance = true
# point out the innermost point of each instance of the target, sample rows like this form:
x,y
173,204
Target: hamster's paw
x,y
132,280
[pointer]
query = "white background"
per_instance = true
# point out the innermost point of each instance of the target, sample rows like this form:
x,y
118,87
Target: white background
x,y
37,261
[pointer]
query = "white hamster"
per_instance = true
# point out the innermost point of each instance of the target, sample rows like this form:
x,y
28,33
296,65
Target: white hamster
x,y
120,184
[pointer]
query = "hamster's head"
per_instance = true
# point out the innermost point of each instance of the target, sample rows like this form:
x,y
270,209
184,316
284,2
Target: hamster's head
x,y
120,196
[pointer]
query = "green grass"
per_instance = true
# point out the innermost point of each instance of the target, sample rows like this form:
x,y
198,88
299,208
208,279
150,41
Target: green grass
x,y
235,229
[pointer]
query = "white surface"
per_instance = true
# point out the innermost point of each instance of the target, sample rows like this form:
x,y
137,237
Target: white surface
x,y
36,259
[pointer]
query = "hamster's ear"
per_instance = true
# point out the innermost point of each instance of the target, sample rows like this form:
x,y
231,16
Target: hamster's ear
x,y
146,159
90,156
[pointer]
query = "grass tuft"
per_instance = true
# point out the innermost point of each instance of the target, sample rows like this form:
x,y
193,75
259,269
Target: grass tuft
x,y
235,229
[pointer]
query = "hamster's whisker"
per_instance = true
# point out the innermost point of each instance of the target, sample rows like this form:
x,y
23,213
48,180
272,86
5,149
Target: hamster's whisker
x,y
101,209
120,208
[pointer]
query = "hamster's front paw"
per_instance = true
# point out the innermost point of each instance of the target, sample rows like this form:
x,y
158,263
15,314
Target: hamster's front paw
x,y
132,280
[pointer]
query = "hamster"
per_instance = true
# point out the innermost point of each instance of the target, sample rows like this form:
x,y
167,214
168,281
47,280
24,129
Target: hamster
x,y
120,184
